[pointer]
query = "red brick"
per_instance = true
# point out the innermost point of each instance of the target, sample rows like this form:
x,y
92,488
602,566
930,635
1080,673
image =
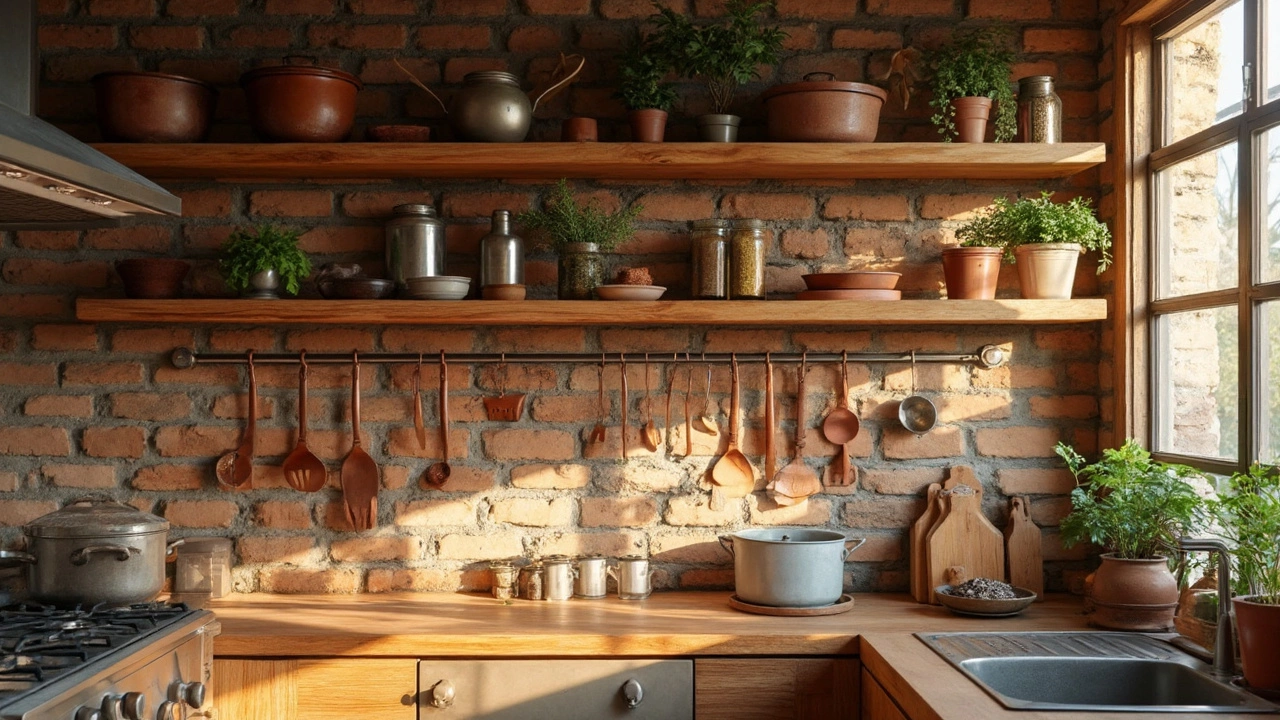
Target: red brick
x,y
283,515
953,207
299,7
216,70
915,8
201,513
1036,481
259,339
150,406
377,71
550,477
943,441
806,243
825,9
532,38
455,69
1017,441
379,203
250,36
148,340
861,39
31,305
682,206
80,476
532,512
77,36
15,513
482,204
882,512
765,511
357,37
377,549
565,408
696,510
408,339
767,206
143,238
539,340
205,203
454,37
330,340
618,512
28,374
31,271
477,8
800,37
126,442
557,7
34,441
867,207
706,579
329,240
383,7
121,8
167,37
491,546
1078,407
1059,40
529,445
81,68
291,203
47,239
59,406
170,477
195,441
117,373
1067,340
201,8
1011,9
63,337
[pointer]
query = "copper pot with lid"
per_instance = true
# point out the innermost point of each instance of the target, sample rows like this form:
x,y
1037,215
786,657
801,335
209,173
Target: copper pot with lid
x,y
820,108
300,101
135,106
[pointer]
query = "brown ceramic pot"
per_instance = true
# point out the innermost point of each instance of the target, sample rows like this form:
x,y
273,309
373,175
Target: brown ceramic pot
x,y
152,278
579,129
971,272
823,110
971,118
648,125
1139,595
153,107
1258,625
300,102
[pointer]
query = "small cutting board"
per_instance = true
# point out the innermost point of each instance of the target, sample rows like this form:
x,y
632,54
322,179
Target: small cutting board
x,y
964,539
1022,546
919,551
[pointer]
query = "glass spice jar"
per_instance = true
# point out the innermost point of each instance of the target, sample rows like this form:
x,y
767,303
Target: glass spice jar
x,y
709,248
1039,110
746,260
581,271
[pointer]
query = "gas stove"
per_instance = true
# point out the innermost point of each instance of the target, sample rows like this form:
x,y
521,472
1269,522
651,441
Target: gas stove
x,y
120,663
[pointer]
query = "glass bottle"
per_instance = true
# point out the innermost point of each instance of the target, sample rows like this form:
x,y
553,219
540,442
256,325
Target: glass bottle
x,y
1039,110
581,271
747,260
501,253
709,249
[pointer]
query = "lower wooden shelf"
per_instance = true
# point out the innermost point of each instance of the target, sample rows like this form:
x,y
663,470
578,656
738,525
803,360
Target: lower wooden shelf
x,y
779,313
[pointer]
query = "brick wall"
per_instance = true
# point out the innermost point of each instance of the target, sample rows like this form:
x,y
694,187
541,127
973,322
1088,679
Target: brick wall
x,y
85,407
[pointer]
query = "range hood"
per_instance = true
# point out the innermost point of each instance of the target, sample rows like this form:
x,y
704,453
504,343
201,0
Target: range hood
x,y
48,178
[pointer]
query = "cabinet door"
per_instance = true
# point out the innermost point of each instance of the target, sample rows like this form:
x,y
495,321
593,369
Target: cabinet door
x,y
876,703
777,689
325,689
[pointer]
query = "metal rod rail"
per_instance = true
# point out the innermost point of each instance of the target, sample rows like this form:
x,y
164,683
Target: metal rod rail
x,y
987,356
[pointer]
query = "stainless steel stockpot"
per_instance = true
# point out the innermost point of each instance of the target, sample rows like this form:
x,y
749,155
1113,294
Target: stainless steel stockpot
x,y
94,551
789,567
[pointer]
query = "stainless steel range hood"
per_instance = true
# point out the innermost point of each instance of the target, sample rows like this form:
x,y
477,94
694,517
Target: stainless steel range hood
x,y
48,178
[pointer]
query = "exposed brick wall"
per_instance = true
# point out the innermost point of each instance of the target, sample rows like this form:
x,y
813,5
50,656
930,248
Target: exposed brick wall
x,y
85,407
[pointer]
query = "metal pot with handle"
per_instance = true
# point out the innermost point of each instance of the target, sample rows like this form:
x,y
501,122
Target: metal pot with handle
x,y
94,551
789,567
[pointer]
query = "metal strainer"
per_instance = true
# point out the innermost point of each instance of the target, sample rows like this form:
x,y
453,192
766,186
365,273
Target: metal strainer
x,y
916,412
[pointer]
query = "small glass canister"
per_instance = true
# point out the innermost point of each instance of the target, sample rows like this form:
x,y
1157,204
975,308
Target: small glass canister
x,y
591,581
581,271
504,585
746,260
709,256
557,577
1039,110
530,587
203,567
635,579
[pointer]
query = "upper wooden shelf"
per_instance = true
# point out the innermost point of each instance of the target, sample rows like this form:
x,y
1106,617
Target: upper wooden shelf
x,y
613,161
780,313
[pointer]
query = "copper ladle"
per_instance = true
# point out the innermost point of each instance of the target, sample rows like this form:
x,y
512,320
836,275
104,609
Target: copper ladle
x,y
236,467
438,473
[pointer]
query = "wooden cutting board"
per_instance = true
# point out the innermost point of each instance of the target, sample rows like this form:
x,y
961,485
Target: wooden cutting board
x,y
919,534
1022,546
964,539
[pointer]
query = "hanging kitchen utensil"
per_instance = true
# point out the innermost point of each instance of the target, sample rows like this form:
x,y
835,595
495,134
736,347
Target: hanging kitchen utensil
x,y
504,408
235,468
625,402
598,433
841,427
360,476
916,412
438,473
796,481
1022,548
733,471
707,420
419,427
302,469
648,431
688,408
770,420
671,387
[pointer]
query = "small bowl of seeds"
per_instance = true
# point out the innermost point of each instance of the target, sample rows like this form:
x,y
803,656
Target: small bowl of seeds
x,y
984,597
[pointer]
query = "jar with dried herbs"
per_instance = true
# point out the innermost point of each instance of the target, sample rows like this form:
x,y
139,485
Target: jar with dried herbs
x,y
747,260
581,271
709,248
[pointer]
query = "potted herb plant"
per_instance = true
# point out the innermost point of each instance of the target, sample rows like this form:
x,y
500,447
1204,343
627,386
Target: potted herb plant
x,y
579,234
255,262
724,56
1249,513
968,75
972,269
1135,508
641,89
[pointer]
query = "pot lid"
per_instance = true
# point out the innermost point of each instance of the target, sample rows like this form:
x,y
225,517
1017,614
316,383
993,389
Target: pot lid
x,y
95,516
293,67
829,84
790,536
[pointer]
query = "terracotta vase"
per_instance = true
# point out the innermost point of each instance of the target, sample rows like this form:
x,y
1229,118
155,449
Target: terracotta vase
x,y
1258,625
971,118
971,272
1139,595
578,129
648,125
1047,271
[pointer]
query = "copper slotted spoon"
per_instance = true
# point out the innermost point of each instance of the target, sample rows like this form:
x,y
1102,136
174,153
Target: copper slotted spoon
x,y
360,476
302,469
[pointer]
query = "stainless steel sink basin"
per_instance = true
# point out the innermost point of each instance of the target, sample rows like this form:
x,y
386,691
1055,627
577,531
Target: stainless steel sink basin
x,y
1090,671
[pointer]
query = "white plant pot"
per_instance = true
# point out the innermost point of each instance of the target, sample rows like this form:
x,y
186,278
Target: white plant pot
x,y
1047,271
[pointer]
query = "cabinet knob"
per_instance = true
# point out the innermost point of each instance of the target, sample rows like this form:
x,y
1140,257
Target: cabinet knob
x,y
633,692
192,693
88,713
442,694
168,711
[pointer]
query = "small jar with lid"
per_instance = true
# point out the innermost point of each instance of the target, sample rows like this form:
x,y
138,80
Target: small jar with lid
x,y
557,577
747,260
709,257
504,576
1039,110
529,586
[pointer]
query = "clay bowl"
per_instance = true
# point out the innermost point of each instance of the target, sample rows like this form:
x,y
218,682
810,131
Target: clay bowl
x,y
153,107
301,102
850,295
398,133
857,280
356,288
502,292
152,278
985,608
630,292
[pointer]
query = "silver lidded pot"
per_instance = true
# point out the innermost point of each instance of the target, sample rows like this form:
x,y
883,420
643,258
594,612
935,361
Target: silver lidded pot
x,y
557,577
1039,110
634,577
415,243
592,581
501,253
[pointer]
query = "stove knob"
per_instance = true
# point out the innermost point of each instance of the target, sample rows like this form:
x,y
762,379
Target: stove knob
x,y
135,706
191,693
169,710
88,713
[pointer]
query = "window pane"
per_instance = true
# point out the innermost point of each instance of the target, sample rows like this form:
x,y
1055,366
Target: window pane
x,y
1269,194
1270,49
1196,240
1197,406
1269,369
1204,84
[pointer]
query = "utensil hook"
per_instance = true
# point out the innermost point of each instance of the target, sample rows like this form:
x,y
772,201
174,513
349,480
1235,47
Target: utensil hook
x,y
844,370
502,375
913,372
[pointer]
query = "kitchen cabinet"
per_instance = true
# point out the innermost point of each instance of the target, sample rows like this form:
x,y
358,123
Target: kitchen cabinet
x,y
876,703
776,688
316,689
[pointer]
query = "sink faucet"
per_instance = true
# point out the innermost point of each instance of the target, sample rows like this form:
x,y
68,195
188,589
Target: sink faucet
x,y
1224,653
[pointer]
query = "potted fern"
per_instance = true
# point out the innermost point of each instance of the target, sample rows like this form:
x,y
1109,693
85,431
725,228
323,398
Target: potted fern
x,y
641,89
968,76
1249,513
256,262
579,234
724,56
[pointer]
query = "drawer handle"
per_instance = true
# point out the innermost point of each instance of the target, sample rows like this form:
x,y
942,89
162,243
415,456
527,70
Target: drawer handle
x,y
442,694
634,694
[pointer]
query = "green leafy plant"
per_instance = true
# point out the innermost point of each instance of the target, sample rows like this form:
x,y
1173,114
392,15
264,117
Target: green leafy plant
x,y
266,247
1249,513
724,55
1129,504
565,221
975,64
640,71
1026,221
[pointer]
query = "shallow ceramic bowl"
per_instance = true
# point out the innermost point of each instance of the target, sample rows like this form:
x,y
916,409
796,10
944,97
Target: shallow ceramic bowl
x,y
630,292
356,288
437,287
857,280
502,292
985,608
850,295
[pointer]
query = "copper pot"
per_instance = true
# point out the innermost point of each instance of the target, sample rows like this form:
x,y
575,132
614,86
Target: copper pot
x,y
153,107
300,102
823,110
971,273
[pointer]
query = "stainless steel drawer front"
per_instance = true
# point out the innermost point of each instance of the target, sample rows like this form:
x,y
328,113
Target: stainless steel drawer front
x,y
555,689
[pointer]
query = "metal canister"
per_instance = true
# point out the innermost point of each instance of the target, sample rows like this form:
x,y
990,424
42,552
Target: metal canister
x,y
591,583
503,585
501,253
1039,110
557,577
415,243
709,256
747,260
635,579
530,586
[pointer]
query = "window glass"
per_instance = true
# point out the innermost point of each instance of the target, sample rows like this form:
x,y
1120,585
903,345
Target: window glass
x,y
1271,48
1204,83
1269,370
1269,194
1197,407
1197,242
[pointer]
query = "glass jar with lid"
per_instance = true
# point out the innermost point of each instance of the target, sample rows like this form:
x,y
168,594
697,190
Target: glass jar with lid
x,y
747,260
709,258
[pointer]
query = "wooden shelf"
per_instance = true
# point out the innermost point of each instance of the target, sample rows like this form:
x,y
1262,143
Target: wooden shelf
x,y
778,313
612,161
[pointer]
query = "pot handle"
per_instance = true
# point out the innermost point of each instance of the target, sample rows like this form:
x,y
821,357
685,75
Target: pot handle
x,y
726,542
172,548
857,543
16,557
123,552
826,76
421,85
557,87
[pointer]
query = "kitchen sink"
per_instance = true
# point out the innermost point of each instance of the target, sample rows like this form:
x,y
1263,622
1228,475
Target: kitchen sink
x,y
1090,671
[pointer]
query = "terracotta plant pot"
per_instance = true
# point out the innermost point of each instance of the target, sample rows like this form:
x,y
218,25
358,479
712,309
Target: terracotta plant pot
x,y
1139,595
153,107
578,129
971,272
152,278
971,118
301,102
718,128
648,125
1258,625
1047,271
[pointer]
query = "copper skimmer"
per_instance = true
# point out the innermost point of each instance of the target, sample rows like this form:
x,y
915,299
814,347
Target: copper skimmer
x,y
302,469
360,475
